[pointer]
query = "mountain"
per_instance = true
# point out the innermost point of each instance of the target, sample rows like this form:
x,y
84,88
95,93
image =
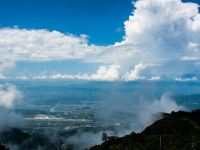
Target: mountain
x,y
2,147
175,131
17,139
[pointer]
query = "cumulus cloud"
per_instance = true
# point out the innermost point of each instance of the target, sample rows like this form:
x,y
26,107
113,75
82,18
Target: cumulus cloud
x,y
163,31
104,73
157,32
108,73
163,28
135,74
42,45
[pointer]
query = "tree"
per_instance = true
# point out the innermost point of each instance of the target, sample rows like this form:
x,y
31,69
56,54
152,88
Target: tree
x,y
104,136
3,147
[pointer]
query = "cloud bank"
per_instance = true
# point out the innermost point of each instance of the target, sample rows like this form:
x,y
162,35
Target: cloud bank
x,y
158,33
43,45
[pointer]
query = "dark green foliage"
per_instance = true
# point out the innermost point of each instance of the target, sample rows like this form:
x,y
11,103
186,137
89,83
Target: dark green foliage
x,y
104,137
176,131
14,136
26,141
2,147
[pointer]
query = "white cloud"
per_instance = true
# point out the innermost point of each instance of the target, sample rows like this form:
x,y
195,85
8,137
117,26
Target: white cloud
x,y
155,78
107,73
159,26
190,58
42,45
2,77
163,31
148,109
23,77
157,32
142,110
5,66
9,119
8,95
194,78
40,77
135,74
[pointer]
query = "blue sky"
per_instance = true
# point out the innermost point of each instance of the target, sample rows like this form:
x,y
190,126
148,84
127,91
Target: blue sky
x,y
101,20
99,39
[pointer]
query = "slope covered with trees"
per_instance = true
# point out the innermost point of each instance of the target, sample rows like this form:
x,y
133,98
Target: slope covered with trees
x,y
176,131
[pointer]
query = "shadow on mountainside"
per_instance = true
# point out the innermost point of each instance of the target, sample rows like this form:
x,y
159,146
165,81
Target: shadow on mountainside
x,y
176,131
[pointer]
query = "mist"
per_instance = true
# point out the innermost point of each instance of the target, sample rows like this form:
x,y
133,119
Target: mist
x,y
9,96
136,116
137,109
127,113
121,113
84,140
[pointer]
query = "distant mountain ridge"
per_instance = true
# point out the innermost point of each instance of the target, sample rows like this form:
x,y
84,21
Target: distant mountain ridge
x,y
176,131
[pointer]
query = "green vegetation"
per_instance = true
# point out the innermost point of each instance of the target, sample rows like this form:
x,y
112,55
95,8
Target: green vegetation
x,y
2,147
25,141
176,131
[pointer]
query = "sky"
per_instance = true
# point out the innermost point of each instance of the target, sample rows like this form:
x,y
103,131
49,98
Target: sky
x,y
101,20
100,40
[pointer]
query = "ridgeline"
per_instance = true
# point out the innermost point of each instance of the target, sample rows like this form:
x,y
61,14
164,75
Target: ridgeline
x,y
176,131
